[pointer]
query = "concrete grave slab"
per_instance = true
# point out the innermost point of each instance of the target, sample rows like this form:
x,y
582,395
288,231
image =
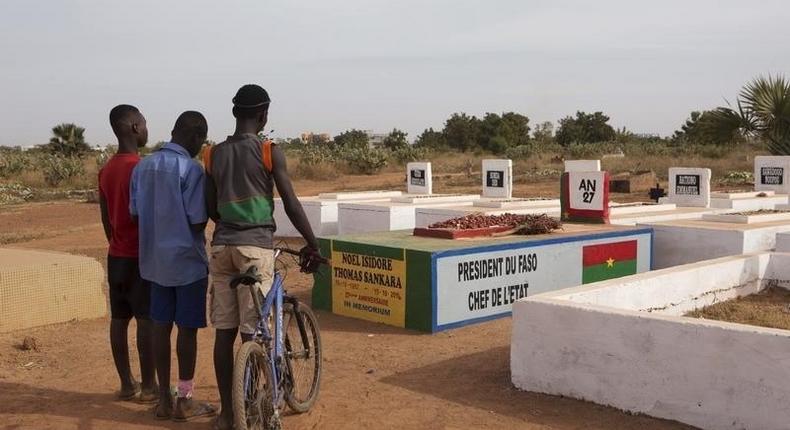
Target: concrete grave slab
x,y
359,217
516,203
322,210
771,173
624,343
690,240
783,242
432,284
582,165
419,179
498,178
40,287
689,187
747,201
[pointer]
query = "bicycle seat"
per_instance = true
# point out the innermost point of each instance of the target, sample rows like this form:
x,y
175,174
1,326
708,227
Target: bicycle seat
x,y
250,277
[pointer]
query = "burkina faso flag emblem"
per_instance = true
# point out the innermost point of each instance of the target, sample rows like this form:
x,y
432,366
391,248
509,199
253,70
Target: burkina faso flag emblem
x,y
608,260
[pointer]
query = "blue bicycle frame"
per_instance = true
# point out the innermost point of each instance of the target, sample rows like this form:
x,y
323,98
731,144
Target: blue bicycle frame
x,y
273,302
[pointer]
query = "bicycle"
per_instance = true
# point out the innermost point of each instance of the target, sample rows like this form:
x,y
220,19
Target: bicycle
x,y
267,370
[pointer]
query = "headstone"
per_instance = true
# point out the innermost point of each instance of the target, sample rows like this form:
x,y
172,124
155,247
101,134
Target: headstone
x,y
584,197
418,180
771,173
582,165
689,187
498,178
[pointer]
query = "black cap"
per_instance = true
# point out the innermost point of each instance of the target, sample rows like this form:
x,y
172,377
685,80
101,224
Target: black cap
x,y
251,96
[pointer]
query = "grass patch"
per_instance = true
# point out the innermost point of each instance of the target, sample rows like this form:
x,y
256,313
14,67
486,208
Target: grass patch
x,y
768,308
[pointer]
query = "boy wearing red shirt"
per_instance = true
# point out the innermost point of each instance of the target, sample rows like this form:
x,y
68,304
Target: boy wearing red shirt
x,y
130,295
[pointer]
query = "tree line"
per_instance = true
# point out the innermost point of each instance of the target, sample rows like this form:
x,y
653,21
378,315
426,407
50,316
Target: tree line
x,y
761,112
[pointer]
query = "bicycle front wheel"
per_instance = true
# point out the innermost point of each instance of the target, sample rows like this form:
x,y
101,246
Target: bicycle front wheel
x,y
303,358
252,388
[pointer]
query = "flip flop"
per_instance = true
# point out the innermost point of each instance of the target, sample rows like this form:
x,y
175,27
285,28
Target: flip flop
x,y
197,410
128,395
161,414
149,397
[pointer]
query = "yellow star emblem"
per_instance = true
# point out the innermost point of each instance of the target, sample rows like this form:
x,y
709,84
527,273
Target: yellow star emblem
x,y
610,262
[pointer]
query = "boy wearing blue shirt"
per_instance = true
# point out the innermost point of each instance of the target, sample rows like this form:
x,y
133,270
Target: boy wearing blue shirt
x,y
167,198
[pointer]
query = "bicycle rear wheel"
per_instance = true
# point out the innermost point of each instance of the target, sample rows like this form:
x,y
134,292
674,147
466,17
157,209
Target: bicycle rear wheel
x,y
252,388
303,358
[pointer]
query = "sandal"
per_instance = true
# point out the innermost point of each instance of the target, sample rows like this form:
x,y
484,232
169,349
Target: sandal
x,y
162,412
187,409
128,394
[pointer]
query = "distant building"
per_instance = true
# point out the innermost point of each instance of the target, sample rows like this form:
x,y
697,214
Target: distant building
x,y
647,135
375,139
310,137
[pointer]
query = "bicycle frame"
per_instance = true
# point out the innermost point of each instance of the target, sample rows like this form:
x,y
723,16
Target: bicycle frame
x,y
274,303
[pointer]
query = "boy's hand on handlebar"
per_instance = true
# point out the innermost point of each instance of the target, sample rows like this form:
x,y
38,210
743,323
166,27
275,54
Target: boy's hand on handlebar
x,y
310,260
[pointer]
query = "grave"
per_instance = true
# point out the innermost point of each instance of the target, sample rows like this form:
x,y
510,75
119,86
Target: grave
x,y
322,210
419,179
497,178
746,200
689,187
624,343
771,173
582,165
584,196
783,242
399,212
432,284
39,288
715,235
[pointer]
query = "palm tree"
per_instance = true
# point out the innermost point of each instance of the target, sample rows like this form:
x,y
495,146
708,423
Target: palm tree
x,y
68,140
763,112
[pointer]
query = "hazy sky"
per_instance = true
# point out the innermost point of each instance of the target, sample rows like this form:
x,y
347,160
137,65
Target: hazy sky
x,y
331,65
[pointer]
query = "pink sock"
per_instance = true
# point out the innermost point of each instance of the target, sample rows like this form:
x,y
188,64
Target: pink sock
x,y
185,388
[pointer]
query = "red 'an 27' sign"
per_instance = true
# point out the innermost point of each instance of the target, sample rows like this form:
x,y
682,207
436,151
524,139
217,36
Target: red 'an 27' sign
x,y
584,197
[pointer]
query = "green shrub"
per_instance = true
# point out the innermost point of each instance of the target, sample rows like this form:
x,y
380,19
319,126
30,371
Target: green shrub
x,y
14,193
405,154
57,168
738,177
590,150
521,152
364,160
12,163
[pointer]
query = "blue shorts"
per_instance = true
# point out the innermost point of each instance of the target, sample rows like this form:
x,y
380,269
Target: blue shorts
x,y
184,305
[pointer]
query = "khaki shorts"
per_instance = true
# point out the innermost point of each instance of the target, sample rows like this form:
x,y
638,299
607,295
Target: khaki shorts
x,y
230,308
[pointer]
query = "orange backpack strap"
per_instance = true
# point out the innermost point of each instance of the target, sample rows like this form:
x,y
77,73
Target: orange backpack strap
x,y
207,158
266,154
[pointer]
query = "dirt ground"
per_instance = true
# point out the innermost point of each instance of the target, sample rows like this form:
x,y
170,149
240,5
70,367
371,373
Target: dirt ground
x,y
374,376
768,308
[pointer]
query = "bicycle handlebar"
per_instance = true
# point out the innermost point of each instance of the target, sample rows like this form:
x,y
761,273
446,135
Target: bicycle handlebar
x,y
320,259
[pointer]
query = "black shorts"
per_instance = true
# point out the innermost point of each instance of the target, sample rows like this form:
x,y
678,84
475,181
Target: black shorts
x,y
130,295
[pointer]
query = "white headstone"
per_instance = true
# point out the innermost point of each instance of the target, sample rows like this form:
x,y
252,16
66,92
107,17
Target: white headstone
x,y
771,173
418,179
582,165
586,191
498,178
689,187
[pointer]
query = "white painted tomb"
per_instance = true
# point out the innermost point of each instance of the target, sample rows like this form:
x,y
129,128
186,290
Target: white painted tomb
x,y
497,176
625,343
366,217
771,173
582,165
747,200
691,240
516,202
399,212
322,210
783,242
419,179
689,187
